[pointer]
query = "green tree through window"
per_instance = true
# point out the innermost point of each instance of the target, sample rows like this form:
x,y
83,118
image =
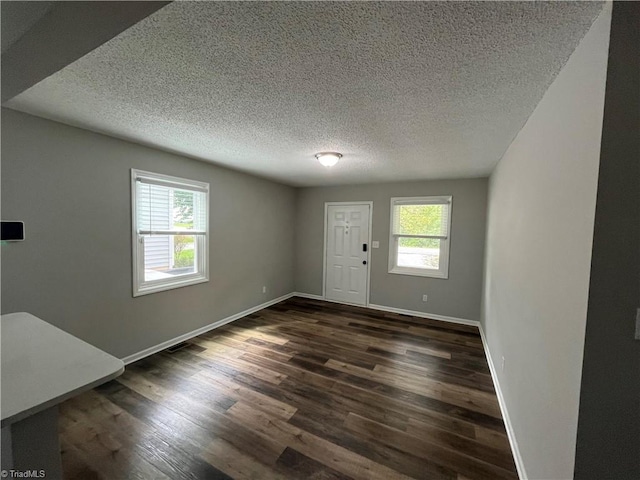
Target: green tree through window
x,y
420,220
183,245
419,237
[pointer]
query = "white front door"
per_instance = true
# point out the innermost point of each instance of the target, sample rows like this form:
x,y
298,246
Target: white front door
x,y
347,253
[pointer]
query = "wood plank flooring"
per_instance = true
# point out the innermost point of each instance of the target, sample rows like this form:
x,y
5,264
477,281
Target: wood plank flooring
x,y
303,389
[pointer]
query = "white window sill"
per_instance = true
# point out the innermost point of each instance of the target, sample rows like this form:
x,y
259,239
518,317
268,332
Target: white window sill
x,y
419,272
153,288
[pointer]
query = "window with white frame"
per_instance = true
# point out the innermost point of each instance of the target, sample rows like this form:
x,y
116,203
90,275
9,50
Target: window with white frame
x,y
170,232
420,236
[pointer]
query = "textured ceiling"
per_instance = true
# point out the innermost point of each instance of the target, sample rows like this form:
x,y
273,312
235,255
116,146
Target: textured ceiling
x,y
405,90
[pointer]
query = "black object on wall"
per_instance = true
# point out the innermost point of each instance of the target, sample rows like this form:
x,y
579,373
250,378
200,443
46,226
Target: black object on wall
x,y
12,231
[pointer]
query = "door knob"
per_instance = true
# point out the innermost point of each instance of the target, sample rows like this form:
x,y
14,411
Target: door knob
x,y
364,262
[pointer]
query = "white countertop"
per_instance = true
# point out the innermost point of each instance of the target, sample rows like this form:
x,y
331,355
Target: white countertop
x,y
43,366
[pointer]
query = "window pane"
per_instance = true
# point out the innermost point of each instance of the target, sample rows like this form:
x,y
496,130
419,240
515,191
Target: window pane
x,y
165,208
184,252
171,218
419,253
182,211
420,219
168,256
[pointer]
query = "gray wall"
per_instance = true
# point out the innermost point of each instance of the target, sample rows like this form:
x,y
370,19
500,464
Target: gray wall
x,y
458,296
71,187
608,444
542,198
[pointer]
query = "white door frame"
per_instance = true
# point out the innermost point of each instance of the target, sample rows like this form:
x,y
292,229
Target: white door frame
x,y
324,250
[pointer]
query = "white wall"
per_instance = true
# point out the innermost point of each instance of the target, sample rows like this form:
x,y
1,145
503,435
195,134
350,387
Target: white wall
x,y
542,198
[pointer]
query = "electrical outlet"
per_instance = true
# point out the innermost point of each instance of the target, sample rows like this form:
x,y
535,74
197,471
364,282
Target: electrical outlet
x,y
638,324
502,364
424,298
264,289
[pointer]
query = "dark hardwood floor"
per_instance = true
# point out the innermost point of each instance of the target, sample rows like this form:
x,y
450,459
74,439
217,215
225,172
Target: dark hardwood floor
x,y
303,389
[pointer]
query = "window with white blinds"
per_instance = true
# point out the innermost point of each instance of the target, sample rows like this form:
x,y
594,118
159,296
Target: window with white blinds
x,y
420,236
170,232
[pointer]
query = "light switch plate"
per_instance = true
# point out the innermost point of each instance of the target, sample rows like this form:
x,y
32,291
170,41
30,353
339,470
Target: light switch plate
x,y
375,244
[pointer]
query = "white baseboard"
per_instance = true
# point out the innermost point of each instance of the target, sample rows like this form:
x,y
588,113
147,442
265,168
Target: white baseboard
x,y
413,313
522,474
433,316
321,298
169,343
308,295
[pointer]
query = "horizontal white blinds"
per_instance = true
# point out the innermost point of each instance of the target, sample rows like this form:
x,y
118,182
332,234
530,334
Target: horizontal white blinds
x,y
421,219
171,184
166,208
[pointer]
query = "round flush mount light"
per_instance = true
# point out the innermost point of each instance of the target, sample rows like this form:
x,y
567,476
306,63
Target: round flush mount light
x,y
328,159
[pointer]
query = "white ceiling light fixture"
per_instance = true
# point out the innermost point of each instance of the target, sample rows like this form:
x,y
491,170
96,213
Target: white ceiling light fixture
x,y
328,159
